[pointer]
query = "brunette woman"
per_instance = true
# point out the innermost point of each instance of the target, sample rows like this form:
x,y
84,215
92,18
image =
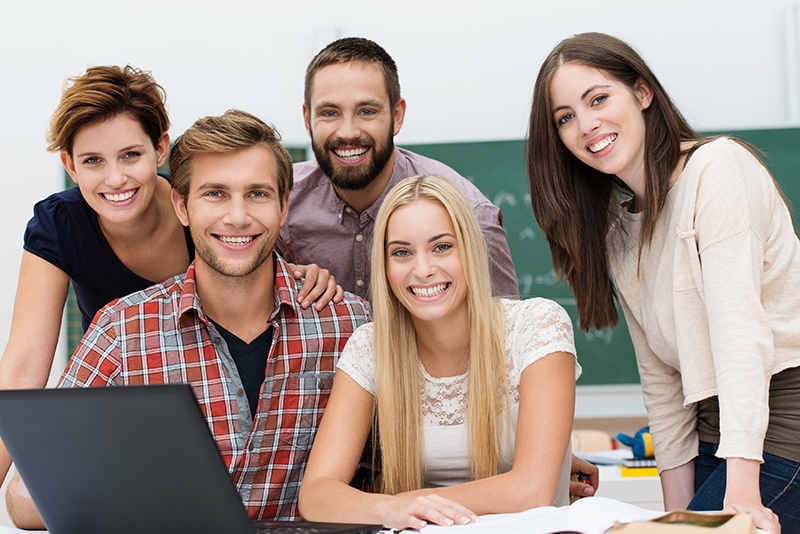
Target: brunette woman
x,y
695,240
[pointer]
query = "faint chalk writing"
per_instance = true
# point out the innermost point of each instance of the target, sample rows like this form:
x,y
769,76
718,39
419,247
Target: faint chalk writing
x,y
527,233
525,282
528,280
603,336
547,279
504,197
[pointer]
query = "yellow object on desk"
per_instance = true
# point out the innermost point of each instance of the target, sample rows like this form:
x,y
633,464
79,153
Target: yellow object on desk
x,y
638,471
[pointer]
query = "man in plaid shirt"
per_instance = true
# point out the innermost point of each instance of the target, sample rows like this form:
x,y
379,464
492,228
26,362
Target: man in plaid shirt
x,y
260,365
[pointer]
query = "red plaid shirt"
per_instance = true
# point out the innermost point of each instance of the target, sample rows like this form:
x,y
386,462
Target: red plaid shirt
x,y
160,335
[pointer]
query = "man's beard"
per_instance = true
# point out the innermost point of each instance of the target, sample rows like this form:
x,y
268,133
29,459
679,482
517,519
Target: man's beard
x,y
206,253
354,178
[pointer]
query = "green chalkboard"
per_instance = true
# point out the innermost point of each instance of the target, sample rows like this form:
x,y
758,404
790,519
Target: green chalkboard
x,y
498,169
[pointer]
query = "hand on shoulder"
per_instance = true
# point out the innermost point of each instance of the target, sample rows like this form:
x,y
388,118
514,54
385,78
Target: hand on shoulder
x,y
318,285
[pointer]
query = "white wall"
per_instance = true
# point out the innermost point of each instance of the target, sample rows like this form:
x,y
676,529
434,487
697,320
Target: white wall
x,y
466,67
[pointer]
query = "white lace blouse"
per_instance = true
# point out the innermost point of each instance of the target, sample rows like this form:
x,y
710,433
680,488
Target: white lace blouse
x,y
534,328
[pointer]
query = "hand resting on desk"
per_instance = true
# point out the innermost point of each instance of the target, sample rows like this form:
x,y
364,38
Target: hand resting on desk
x,y
20,506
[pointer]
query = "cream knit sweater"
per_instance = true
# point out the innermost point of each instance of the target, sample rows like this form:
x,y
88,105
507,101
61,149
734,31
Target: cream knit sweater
x,y
715,306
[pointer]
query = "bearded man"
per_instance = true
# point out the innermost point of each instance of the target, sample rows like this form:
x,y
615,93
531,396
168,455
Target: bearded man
x,y
352,110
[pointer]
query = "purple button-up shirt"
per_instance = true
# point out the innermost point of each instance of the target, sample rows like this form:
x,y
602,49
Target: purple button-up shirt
x,y
321,228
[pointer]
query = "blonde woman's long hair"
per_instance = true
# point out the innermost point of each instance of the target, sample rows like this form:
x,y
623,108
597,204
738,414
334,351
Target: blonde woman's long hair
x,y
398,406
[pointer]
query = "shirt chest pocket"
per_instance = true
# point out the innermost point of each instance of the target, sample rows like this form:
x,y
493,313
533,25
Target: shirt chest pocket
x,y
305,397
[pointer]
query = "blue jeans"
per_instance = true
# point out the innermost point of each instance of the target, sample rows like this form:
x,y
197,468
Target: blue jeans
x,y
780,485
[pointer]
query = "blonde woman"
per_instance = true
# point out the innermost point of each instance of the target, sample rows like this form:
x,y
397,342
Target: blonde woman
x,y
473,396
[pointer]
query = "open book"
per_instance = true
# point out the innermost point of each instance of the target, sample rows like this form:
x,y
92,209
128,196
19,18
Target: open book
x,y
590,515
12,530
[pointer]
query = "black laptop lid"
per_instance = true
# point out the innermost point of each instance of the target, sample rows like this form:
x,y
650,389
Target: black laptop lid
x,y
120,459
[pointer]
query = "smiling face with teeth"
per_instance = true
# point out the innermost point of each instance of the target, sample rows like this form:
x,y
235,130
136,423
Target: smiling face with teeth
x,y
352,124
423,263
601,121
115,165
233,211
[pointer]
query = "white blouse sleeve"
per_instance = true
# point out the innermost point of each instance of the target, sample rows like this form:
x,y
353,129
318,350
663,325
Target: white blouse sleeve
x,y
358,358
535,328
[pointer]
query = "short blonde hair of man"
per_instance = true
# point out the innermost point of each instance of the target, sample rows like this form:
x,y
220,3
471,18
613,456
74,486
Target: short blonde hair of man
x,y
398,406
235,130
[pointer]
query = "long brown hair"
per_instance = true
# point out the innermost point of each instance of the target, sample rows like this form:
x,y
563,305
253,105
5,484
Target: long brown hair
x,y
575,204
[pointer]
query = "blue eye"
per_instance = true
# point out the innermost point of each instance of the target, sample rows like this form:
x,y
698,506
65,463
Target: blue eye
x,y
367,112
443,247
565,119
401,252
328,113
599,99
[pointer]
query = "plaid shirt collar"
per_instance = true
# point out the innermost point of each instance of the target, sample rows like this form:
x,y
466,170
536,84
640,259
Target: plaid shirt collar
x,y
285,296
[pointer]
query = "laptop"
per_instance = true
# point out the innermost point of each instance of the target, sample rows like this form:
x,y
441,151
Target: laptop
x,y
129,459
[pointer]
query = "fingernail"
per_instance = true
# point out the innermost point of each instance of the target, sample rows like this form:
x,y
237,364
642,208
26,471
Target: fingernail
x,y
588,491
464,520
449,522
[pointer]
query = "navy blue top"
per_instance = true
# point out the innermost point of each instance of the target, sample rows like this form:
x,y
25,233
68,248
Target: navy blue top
x,y
65,231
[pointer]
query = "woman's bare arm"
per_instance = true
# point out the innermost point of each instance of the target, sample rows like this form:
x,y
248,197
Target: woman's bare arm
x,y
326,495
35,326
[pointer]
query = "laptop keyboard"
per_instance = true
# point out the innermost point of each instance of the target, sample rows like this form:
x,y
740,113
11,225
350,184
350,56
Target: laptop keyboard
x,y
285,529
289,530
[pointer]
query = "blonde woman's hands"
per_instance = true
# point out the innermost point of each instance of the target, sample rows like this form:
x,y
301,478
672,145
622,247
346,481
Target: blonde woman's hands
x,y
412,510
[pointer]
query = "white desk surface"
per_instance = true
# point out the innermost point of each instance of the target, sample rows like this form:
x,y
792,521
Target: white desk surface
x,y
644,492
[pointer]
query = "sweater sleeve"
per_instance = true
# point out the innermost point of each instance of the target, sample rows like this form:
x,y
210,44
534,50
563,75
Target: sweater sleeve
x,y
672,425
741,343
732,236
